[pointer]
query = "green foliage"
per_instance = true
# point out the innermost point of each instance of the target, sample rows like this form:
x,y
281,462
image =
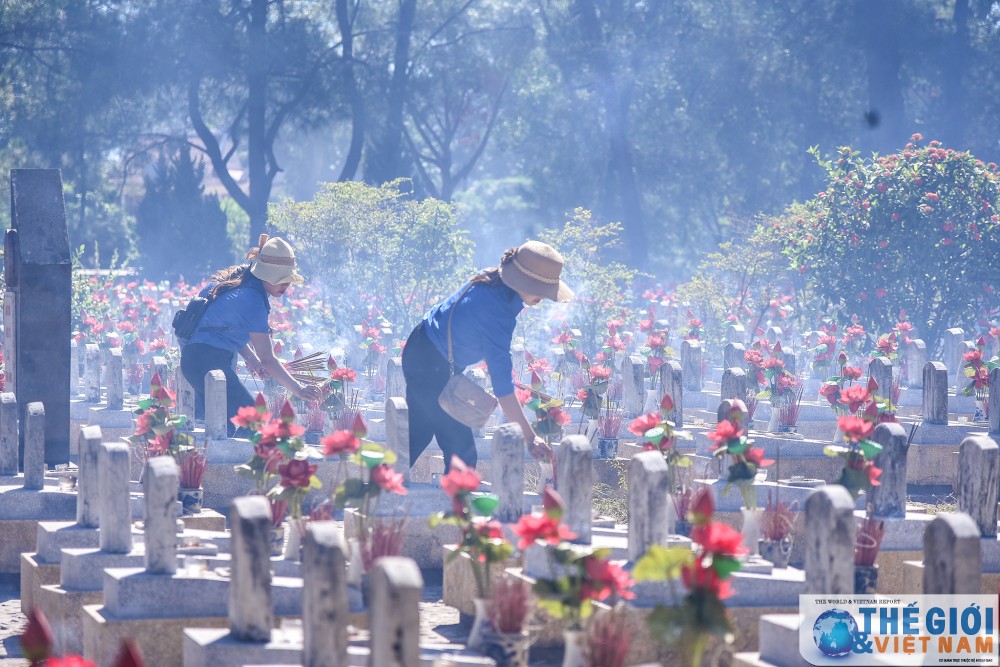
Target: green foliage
x,y
599,283
362,240
917,229
181,231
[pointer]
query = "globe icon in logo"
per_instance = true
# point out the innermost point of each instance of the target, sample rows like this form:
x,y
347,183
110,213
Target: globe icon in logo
x,y
834,632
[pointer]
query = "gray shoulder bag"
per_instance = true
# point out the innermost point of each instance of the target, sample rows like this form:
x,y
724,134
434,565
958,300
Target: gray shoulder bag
x,y
462,399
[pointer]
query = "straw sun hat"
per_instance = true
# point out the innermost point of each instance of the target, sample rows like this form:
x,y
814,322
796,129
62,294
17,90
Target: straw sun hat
x,y
534,270
273,261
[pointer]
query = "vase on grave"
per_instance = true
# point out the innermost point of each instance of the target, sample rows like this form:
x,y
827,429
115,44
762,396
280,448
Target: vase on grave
x,y
295,530
865,579
277,540
683,528
480,623
191,500
573,654
772,424
982,408
751,528
357,596
506,649
775,551
546,476
607,448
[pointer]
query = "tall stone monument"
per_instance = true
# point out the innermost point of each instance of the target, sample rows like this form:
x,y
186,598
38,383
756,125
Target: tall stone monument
x,y
37,269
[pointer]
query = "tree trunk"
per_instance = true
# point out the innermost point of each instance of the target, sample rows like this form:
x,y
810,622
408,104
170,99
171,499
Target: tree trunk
x,y
623,197
257,117
385,157
880,42
353,160
956,62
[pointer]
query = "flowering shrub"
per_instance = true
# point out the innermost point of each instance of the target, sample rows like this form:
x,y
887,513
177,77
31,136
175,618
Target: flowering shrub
x,y
916,229
704,572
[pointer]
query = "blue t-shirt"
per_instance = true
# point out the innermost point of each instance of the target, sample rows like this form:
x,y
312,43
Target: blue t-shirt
x,y
482,328
233,316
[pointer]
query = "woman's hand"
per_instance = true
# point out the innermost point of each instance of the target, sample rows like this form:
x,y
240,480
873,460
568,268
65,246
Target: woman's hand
x,y
539,449
256,367
310,393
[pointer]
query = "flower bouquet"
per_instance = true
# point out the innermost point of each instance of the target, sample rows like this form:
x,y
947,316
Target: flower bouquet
x,y
977,369
659,433
859,473
704,572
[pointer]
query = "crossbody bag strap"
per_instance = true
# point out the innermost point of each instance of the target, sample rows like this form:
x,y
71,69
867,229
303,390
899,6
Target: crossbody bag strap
x,y
451,351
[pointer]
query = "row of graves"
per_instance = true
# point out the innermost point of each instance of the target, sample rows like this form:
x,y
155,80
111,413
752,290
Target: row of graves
x,y
816,506
739,488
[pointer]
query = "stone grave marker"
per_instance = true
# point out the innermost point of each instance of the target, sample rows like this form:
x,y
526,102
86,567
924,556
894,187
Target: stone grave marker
x,y
34,447
952,560
37,266
216,411
113,479
880,368
648,495
325,612
994,401
575,471
691,356
250,611
160,484
396,589
829,537
397,433
673,385
915,360
92,373
8,435
732,355
633,386
116,380
935,404
889,497
508,472
734,384
978,475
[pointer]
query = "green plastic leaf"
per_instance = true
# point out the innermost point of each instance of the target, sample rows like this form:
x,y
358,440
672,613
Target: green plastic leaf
x,y
654,435
835,450
869,449
725,565
662,563
484,504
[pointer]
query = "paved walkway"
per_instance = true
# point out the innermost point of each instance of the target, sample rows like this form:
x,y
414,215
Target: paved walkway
x,y
11,624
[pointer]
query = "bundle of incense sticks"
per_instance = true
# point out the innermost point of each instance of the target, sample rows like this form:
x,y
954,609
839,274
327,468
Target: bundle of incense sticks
x,y
302,368
540,394
310,362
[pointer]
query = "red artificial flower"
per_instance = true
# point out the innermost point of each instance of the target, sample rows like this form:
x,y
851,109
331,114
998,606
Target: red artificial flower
x,y
851,373
974,357
656,341
604,578
698,578
873,474
666,404
359,427
855,428
247,416
460,478
755,455
287,412
531,528
388,479
830,390
754,357
340,442
773,363
144,422
344,375
490,530
276,430
702,506
640,425
559,416
582,395
718,538
854,397
296,472
600,373
37,639
69,661
724,432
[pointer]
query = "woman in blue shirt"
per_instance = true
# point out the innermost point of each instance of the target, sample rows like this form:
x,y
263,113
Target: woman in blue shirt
x,y
483,313
237,321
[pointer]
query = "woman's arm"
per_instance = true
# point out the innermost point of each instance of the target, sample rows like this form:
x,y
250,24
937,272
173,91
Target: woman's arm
x,y
253,363
514,413
265,352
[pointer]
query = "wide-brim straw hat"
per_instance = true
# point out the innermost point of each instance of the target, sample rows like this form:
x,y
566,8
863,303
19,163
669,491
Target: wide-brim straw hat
x,y
534,270
273,261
